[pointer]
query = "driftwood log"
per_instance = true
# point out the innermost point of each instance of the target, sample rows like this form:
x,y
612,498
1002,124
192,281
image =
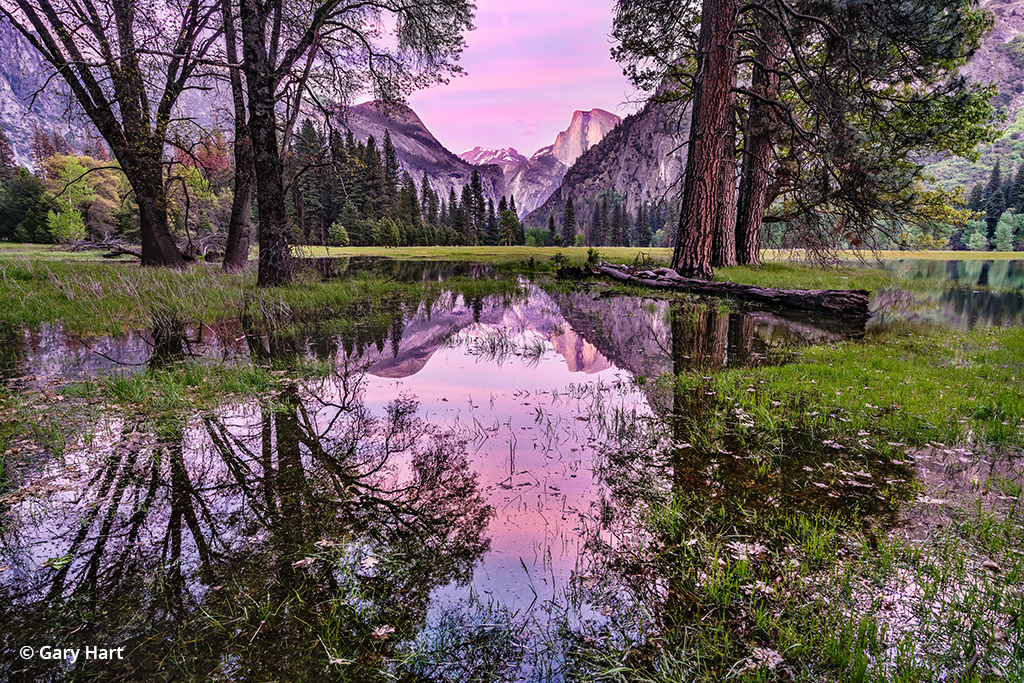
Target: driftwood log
x,y
846,303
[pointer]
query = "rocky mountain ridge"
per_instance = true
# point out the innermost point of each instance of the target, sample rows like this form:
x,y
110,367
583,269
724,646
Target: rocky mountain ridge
x,y
533,180
419,152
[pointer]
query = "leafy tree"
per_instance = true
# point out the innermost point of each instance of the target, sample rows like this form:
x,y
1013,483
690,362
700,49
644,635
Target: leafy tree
x,y
337,47
24,209
1004,236
126,64
387,234
977,242
337,236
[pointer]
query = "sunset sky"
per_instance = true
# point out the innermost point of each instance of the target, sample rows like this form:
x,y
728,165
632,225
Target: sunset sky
x,y
529,64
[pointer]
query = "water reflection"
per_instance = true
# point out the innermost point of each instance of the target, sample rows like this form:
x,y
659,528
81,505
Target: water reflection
x,y
997,274
459,469
309,519
960,307
393,269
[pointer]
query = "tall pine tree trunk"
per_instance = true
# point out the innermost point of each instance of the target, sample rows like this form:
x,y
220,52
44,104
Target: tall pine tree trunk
x,y
757,150
702,182
275,258
723,245
236,252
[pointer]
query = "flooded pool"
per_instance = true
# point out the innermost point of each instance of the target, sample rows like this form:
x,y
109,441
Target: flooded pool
x,y
459,494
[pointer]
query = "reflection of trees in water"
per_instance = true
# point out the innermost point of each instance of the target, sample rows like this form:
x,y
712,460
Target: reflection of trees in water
x,y
998,274
708,484
962,307
181,544
394,269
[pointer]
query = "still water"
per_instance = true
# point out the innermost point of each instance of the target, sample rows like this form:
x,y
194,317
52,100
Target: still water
x,y
453,495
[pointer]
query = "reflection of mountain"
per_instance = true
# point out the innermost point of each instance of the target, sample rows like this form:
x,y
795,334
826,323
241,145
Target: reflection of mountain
x,y
638,336
425,332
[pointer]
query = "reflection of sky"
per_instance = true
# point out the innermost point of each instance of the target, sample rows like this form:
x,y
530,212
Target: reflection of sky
x,y
545,502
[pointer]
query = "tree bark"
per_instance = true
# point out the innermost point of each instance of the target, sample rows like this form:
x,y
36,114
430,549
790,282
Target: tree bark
x,y
847,303
275,258
757,150
723,246
146,178
236,251
702,183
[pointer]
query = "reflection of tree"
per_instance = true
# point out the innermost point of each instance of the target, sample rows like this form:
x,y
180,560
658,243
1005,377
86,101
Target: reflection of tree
x,y
710,484
183,547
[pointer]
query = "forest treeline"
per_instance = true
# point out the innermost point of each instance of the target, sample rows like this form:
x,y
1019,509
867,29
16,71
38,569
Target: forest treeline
x,y
342,192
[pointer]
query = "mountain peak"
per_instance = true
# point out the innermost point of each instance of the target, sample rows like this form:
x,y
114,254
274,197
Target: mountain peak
x,y
586,129
507,158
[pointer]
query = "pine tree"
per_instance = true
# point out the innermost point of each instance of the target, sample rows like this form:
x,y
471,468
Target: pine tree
x,y
605,221
478,211
468,223
425,199
552,235
976,197
1018,188
569,223
643,226
7,163
995,181
994,210
453,205
391,172
492,224
379,200
618,238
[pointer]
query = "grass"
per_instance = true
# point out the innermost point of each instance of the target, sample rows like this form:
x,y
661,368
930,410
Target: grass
x,y
768,501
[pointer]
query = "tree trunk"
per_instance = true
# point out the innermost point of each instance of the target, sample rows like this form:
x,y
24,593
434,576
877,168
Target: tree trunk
x,y
702,183
845,303
236,251
158,247
757,150
275,258
723,246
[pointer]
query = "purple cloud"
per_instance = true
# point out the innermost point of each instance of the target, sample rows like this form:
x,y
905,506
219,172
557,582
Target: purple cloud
x,y
529,65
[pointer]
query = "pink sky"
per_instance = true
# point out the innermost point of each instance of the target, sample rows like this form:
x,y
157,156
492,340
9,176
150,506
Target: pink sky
x,y
529,64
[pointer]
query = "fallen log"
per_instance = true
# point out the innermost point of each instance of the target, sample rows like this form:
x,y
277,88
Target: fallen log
x,y
846,303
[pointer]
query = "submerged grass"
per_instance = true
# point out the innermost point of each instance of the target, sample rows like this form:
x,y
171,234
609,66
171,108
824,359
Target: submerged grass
x,y
770,551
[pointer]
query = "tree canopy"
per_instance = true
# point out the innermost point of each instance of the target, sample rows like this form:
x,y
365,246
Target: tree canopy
x,y
837,103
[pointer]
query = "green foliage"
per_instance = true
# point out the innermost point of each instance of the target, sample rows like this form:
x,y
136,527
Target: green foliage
x,y
977,242
337,236
23,210
386,233
1004,236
